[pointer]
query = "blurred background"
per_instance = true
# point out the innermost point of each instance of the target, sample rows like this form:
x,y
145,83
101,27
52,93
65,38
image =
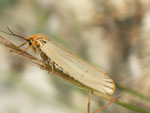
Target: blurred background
x,y
114,35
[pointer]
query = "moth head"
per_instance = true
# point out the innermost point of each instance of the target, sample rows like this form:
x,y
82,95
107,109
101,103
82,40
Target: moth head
x,y
35,40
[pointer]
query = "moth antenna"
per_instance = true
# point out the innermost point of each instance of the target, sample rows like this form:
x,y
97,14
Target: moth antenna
x,y
12,33
15,34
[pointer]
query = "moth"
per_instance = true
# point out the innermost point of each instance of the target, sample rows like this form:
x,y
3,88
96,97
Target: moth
x,y
62,59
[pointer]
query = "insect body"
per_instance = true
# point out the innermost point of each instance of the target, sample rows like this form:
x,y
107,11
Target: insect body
x,y
74,66
60,58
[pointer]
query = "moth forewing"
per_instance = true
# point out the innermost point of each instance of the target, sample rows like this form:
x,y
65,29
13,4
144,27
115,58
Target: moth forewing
x,y
77,68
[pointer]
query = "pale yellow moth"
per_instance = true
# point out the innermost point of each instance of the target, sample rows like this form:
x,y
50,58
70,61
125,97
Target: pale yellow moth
x,y
77,68
74,66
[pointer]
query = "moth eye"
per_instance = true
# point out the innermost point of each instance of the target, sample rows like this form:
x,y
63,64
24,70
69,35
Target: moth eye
x,y
30,43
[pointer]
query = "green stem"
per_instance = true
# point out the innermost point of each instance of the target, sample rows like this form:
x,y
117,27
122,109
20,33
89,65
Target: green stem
x,y
131,107
133,92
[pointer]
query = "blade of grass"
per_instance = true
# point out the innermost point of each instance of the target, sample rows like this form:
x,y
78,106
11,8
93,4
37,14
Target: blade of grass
x,y
133,92
131,107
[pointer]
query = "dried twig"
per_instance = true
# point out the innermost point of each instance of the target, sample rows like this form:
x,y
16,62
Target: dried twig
x,y
106,105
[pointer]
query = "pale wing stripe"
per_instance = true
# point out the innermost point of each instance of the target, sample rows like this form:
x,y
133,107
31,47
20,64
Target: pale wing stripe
x,y
78,68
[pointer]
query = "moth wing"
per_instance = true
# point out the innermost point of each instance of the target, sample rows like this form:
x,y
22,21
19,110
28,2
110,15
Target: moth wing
x,y
79,69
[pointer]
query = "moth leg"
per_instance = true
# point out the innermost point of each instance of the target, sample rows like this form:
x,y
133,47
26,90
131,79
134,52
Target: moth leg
x,y
22,44
19,46
24,50
36,50
53,67
89,97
